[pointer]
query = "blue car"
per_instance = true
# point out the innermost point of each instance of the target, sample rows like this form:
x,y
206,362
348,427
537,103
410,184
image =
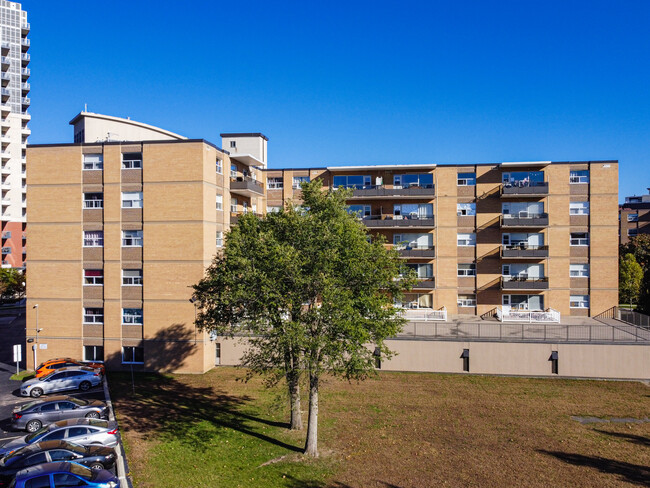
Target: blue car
x,y
53,475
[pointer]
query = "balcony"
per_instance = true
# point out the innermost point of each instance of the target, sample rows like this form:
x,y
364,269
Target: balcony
x,y
390,220
25,27
374,192
524,251
25,87
25,72
5,78
246,186
5,94
5,61
25,57
417,252
5,108
25,101
523,282
524,219
234,216
425,284
25,43
5,46
524,188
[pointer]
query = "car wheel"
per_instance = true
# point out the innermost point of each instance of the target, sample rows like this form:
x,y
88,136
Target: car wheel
x,y
36,392
92,415
33,425
96,466
85,386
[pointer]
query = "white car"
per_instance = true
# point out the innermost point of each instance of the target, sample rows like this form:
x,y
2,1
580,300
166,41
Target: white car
x,y
72,378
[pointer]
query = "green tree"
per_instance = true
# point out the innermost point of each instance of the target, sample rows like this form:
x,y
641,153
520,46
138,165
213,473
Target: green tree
x,y
313,292
12,283
640,247
630,276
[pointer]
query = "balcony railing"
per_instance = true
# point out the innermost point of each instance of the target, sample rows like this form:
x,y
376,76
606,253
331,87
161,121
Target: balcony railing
x,y
416,252
524,251
245,184
25,42
424,314
524,219
25,101
25,72
390,220
525,188
25,57
234,216
428,283
549,315
523,282
373,191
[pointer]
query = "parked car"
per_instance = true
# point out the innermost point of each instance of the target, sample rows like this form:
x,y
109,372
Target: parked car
x,y
80,431
81,378
52,365
34,415
93,457
53,475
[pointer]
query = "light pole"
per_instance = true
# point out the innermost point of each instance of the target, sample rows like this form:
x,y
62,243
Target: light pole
x,y
35,346
193,302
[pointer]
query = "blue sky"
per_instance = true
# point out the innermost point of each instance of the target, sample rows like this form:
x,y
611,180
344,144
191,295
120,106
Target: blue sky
x,y
335,83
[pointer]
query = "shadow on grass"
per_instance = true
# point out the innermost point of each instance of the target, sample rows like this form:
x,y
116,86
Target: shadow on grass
x,y
634,439
632,473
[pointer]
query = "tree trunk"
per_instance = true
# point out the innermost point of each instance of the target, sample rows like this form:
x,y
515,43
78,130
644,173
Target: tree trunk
x,y
311,448
293,380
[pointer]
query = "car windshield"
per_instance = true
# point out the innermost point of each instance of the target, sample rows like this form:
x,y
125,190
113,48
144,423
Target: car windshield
x,y
83,471
70,446
36,435
98,423
78,401
40,366
27,405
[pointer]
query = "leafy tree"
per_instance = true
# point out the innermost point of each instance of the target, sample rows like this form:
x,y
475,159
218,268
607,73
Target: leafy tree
x,y
314,293
640,247
629,279
12,283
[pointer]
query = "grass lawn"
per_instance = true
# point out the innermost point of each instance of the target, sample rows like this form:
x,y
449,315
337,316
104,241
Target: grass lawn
x,y
395,430
23,375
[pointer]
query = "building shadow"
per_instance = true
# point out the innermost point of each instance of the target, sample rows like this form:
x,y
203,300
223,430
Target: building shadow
x,y
631,473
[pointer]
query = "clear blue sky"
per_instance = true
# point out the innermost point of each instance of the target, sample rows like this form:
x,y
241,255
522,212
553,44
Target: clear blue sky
x,y
335,83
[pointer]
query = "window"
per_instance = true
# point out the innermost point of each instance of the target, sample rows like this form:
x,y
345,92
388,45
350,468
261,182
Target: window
x,y
131,199
579,301
466,300
466,179
579,208
421,270
352,181
465,209
299,180
576,177
132,316
233,171
522,179
219,202
275,183
94,353
413,210
219,238
360,210
468,269
219,166
132,161
93,200
93,161
93,315
579,239
233,205
233,144
633,217
132,277
93,277
93,238
39,481
132,355
244,207
416,300
273,209
466,239
579,270
424,180
131,238
632,232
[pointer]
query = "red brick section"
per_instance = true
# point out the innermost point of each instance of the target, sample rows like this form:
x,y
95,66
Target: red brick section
x,y
13,244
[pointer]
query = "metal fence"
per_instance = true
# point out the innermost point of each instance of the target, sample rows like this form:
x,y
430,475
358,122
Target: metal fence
x,y
540,332
632,317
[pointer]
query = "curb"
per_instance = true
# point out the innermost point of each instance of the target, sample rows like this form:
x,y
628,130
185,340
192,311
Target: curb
x,y
121,464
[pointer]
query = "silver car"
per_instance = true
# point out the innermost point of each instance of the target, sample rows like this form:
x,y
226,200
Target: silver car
x,y
72,378
37,413
86,432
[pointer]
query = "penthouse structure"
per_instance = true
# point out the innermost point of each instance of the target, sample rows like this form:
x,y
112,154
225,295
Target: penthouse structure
x,y
125,219
14,117
634,217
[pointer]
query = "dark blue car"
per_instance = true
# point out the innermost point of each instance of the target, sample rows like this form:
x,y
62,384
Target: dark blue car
x,y
53,475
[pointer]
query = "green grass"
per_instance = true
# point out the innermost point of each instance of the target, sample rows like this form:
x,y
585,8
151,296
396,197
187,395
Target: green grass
x,y
22,376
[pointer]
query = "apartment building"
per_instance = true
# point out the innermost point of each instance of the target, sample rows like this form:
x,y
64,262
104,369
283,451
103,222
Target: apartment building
x,y
121,228
14,117
634,217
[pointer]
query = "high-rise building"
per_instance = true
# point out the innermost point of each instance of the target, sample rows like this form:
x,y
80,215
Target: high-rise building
x,y
14,118
634,217
125,220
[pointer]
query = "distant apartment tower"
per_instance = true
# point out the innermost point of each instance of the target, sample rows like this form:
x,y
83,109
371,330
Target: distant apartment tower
x,y
634,217
14,132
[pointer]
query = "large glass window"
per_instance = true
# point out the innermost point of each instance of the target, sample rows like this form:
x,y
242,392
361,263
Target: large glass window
x,y
579,301
93,200
132,316
523,178
132,238
466,300
93,315
275,183
466,239
424,180
416,300
579,270
132,161
93,277
579,239
352,181
468,269
463,209
94,353
131,199
360,210
132,355
93,161
132,277
299,180
421,270
413,210
579,208
576,177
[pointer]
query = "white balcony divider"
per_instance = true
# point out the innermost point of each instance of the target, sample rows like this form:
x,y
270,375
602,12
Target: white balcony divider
x,y
549,315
